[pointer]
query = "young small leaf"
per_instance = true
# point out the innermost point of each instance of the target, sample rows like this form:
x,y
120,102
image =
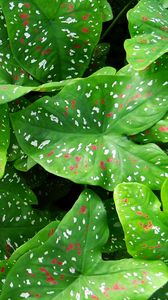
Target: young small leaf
x,y
145,225
148,26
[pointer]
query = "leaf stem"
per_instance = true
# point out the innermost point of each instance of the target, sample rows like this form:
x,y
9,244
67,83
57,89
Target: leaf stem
x,y
116,20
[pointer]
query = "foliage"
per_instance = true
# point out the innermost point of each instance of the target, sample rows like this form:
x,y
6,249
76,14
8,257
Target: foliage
x,y
68,119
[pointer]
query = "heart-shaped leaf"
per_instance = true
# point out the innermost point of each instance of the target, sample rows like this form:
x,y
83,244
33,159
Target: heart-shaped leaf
x,y
157,133
81,133
144,224
19,221
69,264
4,137
148,26
54,42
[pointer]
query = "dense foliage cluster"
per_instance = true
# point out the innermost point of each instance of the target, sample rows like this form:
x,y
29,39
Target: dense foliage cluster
x,y
83,150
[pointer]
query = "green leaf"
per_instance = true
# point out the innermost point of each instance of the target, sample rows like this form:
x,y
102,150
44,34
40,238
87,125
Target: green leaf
x,y
19,221
69,264
145,225
4,137
148,26
55,42
42,236
157,133
10,71
105,9
81,133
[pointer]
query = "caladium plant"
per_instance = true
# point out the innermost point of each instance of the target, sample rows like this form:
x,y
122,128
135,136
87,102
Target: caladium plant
x,y
64,130
69,264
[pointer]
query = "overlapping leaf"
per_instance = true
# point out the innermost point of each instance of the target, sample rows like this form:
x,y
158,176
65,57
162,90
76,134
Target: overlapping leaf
x,y
19,221
81,133
144,224
4,137
9,92
148,26
53,42
69,265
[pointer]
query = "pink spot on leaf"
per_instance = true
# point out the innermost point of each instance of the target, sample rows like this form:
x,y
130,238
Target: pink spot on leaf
x,y
70,247
145,18
83,210
102,165
24,16
51,232
2,270
50,153
47,51
109,115
118,287
27,5
94,147
73,104
85,30
163,129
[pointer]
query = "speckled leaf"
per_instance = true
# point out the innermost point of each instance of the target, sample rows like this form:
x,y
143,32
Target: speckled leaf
x,y
40,238
19,221
4,137
106,10
54,42
5,266
69,265
148,26
145,225
164,195
81,133
10,71
157,133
